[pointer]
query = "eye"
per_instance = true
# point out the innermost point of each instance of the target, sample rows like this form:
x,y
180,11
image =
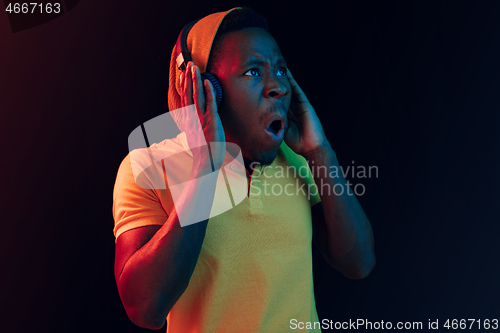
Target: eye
x,y
252,72
282,71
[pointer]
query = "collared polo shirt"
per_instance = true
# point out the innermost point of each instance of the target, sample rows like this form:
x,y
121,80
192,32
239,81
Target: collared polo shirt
x,y
254,271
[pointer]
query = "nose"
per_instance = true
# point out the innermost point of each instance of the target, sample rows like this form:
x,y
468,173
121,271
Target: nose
x,y
276,87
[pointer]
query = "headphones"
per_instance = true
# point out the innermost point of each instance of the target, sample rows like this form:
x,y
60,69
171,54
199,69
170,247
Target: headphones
x,y
184,57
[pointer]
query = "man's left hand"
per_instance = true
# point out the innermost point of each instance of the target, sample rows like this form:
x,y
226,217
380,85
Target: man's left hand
x,y
305,132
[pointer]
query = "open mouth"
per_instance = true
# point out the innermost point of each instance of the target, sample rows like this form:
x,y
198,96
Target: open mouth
x,y
275,126
276,129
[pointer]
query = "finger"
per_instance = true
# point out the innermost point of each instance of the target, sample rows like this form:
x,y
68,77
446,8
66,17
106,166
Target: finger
x,y
291,115
198,95
183,87
181,80
210,98
218,137
188,85
296,90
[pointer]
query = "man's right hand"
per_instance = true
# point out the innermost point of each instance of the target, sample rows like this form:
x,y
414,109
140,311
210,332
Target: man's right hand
x,y
202,95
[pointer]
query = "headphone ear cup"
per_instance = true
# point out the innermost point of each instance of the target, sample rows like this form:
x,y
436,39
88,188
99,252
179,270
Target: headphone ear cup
x,y
215,84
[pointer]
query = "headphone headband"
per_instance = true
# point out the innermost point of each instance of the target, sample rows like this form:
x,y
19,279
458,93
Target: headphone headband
x,y
184,56
181,45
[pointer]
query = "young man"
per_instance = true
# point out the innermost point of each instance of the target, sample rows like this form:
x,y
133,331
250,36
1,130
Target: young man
x,y
248,269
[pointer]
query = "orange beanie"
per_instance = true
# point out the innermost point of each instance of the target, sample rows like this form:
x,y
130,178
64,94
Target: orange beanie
x,y
199,43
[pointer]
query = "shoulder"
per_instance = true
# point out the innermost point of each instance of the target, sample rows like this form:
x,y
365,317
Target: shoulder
x,y
146,166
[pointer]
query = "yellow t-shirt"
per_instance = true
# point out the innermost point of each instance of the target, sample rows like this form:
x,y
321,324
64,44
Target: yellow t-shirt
x,y
254,271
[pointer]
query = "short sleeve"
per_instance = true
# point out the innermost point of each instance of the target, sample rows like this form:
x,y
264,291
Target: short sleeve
x,y
298,161
133,205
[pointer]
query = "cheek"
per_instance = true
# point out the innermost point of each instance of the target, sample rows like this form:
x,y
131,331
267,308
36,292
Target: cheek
x,y
241,103
288,98
240,94
236,117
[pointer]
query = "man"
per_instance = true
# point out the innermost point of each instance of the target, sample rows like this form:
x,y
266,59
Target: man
x,y
250,268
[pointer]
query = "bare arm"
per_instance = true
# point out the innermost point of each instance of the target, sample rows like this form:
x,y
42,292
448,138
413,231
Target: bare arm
x,y
341,229
153,264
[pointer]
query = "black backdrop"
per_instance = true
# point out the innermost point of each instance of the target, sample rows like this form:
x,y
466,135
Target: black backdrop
x,y
409,87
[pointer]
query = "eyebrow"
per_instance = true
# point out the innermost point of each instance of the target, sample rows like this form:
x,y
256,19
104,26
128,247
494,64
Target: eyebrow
x,y
261,62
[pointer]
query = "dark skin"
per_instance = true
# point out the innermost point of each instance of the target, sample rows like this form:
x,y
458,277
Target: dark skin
x,y
153,265
256,87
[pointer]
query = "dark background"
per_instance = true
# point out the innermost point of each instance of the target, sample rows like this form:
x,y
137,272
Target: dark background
x,y
411,87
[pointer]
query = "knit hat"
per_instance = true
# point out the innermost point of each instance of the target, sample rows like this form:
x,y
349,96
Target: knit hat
x,y
199,43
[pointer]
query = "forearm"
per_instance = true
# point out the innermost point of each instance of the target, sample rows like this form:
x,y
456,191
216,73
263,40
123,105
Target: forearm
x,y
349,233
156,275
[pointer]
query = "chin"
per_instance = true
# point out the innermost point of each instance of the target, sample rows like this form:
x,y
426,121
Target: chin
x,y
267,158
263,157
